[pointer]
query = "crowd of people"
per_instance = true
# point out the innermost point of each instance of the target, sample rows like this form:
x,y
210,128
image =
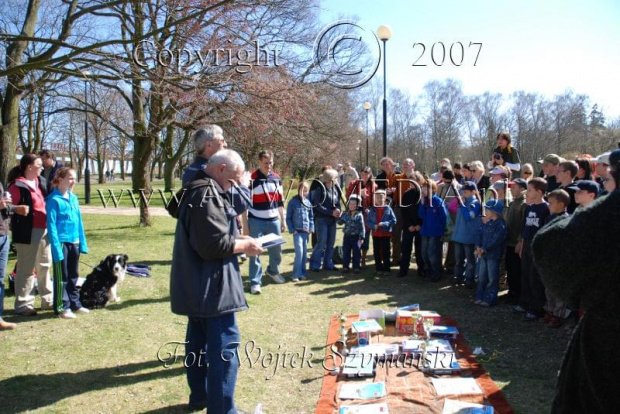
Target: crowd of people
x,y
461,221
45,222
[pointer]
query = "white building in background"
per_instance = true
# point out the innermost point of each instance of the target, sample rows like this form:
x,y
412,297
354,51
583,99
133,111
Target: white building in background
x,y
60,151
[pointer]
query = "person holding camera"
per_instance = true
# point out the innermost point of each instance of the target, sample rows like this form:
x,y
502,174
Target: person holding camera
x,y
506,155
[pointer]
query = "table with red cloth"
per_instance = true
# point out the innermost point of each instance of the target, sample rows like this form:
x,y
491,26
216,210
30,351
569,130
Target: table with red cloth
x,y
408,389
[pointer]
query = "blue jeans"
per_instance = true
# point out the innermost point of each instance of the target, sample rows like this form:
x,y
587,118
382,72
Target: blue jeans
x,y
4,258
300,241
351,244
431,252
465,262
488,280
325,238
259,228
211,362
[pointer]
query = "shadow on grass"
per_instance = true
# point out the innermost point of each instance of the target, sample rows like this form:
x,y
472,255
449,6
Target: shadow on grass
x,y
179,408
136,302
34,391
152,262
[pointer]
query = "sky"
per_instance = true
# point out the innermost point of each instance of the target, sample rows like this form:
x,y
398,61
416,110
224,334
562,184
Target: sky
x,y
544,46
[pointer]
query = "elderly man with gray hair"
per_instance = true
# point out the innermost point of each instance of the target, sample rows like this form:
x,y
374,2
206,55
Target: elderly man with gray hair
x,y
205,283
207,141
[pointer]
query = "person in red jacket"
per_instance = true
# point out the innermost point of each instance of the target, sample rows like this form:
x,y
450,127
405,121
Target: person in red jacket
x,y
30,237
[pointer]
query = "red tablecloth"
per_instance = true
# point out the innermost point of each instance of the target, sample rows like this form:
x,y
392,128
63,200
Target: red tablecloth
x,y
409,390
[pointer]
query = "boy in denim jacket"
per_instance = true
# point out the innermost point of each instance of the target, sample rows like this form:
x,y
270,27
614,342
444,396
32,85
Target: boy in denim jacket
x,y
300,223
354,234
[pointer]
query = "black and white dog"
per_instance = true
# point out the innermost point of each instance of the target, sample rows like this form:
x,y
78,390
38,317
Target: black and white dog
x,y
101,284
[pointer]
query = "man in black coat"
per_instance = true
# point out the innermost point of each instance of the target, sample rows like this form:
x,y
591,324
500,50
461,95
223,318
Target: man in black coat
x,y
578,260
205,283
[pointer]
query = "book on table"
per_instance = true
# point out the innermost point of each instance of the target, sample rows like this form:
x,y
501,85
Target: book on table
x,y
359,365
362,391
379,351
369,325
443,332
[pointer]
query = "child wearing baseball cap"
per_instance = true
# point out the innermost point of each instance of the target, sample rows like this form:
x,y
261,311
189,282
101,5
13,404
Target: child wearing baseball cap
x,y
587,191
489,250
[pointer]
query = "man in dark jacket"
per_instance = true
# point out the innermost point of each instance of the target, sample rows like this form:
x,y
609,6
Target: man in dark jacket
x,y
578,260
207,141
205,283
50,166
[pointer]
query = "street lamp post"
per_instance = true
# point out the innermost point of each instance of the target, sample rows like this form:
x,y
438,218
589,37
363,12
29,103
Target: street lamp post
x,y
359,145
367,108
86,168
384,33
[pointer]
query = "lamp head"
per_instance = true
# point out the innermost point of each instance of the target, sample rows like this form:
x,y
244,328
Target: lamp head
x,y
367,105
384,32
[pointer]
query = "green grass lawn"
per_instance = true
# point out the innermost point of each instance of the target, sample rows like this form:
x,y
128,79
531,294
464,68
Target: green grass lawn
x,y
107,361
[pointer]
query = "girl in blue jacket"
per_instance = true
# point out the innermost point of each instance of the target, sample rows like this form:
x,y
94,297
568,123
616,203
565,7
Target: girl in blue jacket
x,y
300,223
434,216
67,240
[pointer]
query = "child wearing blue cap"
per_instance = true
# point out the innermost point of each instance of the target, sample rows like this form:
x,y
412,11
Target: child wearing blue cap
x,y
465,235
489,248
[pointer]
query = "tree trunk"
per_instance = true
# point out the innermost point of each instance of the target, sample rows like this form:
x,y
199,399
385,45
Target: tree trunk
x,y
172,159
9,130
143,148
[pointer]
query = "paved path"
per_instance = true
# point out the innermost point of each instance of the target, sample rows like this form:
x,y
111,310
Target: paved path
x,y
121,211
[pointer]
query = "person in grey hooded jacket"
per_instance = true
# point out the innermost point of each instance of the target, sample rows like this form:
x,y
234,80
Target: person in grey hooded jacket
x,y
205,283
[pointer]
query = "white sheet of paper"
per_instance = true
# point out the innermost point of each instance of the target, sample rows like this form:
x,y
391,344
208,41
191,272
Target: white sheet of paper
x,y
455,386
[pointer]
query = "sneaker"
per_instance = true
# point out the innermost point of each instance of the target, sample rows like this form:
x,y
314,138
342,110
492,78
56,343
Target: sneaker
x,y
484,304
7,326
518,309
345,270
356,270
27,311
295,279
276,278
82,310
529,317
255,289
67,314
477,302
